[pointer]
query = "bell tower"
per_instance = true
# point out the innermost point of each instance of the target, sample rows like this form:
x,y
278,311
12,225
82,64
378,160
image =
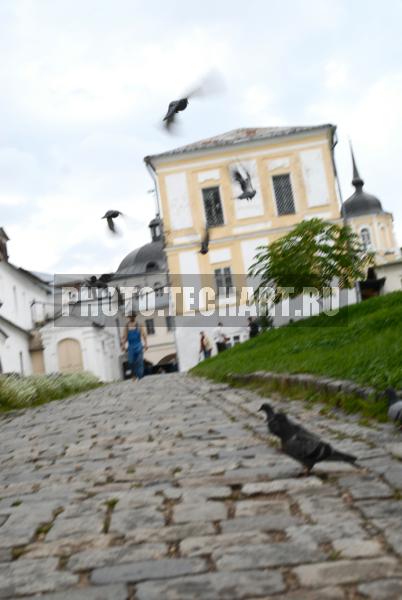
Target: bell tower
x,y
366,216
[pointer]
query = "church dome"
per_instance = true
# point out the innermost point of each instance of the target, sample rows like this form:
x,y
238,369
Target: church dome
x,y
146,259
360,203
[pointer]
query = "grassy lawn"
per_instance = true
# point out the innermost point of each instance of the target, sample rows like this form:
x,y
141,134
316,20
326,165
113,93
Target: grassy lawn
x,y
18,392
362,343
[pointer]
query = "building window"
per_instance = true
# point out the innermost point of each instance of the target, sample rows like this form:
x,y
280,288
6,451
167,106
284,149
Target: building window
x,y
283,194
366,238
169,323
223,280
151,266
158,289
150,326
15,298
212,206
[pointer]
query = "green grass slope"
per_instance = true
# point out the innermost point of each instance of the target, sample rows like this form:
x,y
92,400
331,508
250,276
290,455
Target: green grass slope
x,y
362,343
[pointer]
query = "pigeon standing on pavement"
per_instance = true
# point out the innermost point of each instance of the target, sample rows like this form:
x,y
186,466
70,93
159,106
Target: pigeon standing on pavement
x,y
109,216
205,243
248,192
301,444
394,406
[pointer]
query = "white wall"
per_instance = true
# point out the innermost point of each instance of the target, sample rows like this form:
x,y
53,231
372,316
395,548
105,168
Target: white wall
x,y
393,274
179,206
17,291
14,351
100,359
315,178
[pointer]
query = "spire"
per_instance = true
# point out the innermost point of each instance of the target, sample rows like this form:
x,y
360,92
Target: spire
x,y
357,181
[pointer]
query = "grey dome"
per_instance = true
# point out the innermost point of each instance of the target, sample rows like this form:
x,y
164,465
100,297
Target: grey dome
x,y
148,258
360,203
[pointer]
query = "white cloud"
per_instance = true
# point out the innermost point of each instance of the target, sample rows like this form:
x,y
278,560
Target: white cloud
x,y
372,119
336,75
85,84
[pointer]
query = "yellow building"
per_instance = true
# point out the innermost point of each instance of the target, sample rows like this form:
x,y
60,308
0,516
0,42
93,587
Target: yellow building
x,y
292,173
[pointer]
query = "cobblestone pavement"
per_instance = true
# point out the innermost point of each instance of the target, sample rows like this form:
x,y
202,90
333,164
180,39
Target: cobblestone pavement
x,y
170,489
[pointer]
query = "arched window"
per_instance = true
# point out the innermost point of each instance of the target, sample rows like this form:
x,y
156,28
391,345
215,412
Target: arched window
x,y
366,238
151,266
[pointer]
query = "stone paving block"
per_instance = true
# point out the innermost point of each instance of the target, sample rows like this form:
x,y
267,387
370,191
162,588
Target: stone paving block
x,y
169,534
393,476
67,546
207,544
392,531
91,524
260,523
214,586
95,558
384,589
327,593
346,571
366,487
255,508
353,548
32,576
148,570
126,520
206,492
238,558
107,592
203,511
281,485
395,449
381,509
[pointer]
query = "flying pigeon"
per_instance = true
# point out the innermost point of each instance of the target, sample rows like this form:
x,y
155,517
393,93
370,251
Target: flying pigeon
x,y
109,216
99,282
248,192
301,444
205,243
394,406
210,84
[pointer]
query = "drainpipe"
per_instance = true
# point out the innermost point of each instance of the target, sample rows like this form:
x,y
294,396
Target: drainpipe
x,y
334,142
151,170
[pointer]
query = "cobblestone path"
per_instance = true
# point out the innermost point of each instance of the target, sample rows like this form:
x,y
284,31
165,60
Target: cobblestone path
x,y
169,489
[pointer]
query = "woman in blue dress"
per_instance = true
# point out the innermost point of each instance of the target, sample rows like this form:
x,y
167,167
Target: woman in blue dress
x,y
136,340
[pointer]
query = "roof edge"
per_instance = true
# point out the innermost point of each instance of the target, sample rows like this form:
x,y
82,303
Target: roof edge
x,y
169,155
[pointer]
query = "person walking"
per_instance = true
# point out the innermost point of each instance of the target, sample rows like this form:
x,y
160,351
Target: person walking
x,y
220,338
252,327
136,340
205,345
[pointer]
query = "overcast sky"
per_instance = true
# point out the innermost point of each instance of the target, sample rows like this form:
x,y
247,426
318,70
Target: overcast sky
x,y
84,83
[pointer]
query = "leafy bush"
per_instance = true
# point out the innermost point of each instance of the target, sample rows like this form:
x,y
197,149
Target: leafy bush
x,y
23,392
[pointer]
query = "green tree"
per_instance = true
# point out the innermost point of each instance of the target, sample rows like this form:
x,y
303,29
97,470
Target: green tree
x,y
313,255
